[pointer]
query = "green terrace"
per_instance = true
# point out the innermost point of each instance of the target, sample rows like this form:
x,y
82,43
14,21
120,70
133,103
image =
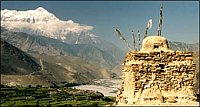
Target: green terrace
x,y
52,96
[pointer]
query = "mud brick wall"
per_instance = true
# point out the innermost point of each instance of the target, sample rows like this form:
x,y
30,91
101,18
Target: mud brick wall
x,y
168,70
156,75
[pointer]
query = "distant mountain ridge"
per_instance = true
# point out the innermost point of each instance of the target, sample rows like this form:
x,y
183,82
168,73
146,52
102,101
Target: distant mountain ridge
x,y
174,45
53,47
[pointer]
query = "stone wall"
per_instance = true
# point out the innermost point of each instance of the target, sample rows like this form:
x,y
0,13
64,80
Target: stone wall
x,y
162,76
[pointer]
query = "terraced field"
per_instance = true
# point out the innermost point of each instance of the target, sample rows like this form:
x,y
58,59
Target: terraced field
x,y
51,96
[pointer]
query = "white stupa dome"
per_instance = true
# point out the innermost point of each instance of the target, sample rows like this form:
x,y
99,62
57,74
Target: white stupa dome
x,y
155,43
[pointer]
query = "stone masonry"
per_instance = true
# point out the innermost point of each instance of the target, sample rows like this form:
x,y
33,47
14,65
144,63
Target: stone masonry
x,y
156,74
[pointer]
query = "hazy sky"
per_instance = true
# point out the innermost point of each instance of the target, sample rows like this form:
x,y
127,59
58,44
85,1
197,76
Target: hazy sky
x,y
181,19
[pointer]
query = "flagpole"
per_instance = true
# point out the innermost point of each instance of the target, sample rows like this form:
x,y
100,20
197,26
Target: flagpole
x,y
146,32
160,21
149,26
133,38
138,40
122,37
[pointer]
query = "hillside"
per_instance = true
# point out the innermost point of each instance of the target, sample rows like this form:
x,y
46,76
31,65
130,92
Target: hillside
x,y
53,47
18,67
14,61
60,62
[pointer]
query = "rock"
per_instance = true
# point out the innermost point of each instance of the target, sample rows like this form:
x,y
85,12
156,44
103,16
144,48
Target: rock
x,y
171,99
160,97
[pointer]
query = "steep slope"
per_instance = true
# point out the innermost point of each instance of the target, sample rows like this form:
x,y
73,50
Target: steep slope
x,y
97,41
63,62
15,61
54,47
17,67
71,69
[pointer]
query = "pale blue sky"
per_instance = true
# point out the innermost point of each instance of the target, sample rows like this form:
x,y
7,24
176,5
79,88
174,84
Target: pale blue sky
x,y
181,18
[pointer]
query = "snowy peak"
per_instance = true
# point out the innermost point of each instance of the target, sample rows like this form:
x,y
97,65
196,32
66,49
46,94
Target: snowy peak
x,y
41,9
42,22
70,21
31,16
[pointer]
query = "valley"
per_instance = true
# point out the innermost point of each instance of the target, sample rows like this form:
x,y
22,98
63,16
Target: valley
x,y
38,48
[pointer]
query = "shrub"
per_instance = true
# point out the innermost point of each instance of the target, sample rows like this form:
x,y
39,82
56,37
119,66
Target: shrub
x,y
107,99
94,105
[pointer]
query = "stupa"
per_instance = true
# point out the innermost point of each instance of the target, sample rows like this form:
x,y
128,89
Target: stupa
x,y
157,75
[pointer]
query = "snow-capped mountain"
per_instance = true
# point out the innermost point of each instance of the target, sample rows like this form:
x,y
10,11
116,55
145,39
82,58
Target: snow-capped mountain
x,y
31,16
42,22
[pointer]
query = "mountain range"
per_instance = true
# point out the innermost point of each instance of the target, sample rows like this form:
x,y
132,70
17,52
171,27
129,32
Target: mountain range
x,y
41,23
39,45
83,60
